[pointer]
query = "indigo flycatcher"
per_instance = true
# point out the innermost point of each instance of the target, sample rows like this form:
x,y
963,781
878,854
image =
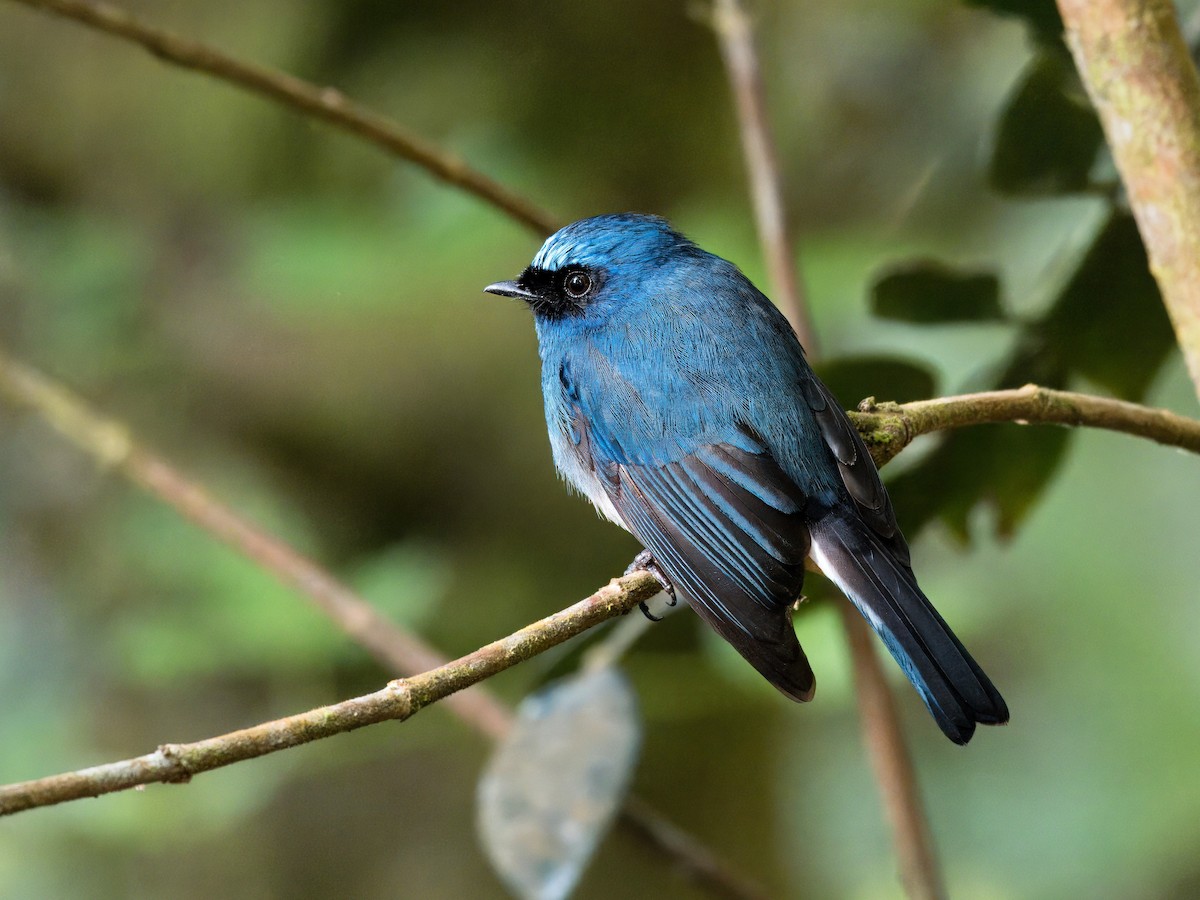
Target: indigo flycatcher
x,y
680,403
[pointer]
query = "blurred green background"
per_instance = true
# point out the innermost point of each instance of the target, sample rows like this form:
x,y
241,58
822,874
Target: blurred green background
x,y
297,320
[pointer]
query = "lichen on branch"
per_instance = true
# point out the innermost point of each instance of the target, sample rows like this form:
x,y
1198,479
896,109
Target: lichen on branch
x,y
1140,76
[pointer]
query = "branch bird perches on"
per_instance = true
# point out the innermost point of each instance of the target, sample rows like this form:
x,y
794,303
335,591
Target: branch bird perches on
x,y
887,429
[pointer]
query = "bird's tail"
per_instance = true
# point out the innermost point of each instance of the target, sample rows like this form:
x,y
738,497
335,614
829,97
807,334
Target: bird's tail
x,y
872,572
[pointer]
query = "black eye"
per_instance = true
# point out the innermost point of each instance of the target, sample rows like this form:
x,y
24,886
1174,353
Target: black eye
x,y
577,284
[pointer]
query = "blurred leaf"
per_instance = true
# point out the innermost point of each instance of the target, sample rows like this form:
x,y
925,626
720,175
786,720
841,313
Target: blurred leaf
x,y
405,582
556,781
1109,323
851,378
1040,15
208,610
87,274
1005,466
927,291
1048,135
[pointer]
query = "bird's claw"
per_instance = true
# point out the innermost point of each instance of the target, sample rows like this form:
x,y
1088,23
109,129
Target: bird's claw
x,y
646,612
645,562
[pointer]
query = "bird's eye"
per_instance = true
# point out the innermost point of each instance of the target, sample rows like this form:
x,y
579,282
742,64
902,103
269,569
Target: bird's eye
x,y
577,284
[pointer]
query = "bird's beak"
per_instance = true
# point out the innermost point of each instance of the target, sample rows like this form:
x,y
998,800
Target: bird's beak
x,y
510,289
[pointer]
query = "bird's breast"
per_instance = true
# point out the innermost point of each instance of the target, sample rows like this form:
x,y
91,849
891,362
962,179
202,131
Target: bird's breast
x,y
570,439
574,463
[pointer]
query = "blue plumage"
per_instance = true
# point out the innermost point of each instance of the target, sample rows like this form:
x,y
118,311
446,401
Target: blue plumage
x,y
680,403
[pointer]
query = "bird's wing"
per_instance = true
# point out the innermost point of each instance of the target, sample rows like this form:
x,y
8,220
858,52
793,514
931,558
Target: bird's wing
x,y
727,527
855,465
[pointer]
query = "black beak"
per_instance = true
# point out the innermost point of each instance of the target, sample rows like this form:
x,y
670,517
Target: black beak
x,y
510,289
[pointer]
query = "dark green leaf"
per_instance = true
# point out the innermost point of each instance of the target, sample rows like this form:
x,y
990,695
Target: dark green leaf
x,y
851,378
1040,15
1109,324
1005,466
1048,135
927,291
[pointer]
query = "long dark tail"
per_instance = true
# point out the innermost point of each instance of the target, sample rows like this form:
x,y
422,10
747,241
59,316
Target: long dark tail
x,y
881,584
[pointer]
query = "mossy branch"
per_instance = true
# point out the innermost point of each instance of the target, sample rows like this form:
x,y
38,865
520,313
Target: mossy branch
x,y
887,428
398,700
1139,74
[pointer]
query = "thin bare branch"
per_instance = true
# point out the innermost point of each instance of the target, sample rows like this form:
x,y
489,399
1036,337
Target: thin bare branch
x,y
399,700
321,102
1137,69
736,40
890,758
887,429
881,726
697,859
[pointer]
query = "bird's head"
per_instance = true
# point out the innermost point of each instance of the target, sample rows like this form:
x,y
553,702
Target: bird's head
x,y
587,266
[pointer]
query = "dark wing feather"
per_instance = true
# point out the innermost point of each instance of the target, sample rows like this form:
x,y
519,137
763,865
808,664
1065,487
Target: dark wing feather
x,y
862,550
727,527
883,587
855,465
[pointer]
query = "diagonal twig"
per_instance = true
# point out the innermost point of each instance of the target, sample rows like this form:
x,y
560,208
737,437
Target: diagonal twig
x,y
882,731
893,765
325,103
110,443
736,41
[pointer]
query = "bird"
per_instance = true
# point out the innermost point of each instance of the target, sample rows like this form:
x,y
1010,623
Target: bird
x,y
679,401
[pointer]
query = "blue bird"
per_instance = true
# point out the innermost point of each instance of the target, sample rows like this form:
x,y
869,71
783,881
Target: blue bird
x,y
680,403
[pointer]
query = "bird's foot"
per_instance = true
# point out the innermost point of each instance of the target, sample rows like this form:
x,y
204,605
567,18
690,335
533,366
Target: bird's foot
x,y
645,562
